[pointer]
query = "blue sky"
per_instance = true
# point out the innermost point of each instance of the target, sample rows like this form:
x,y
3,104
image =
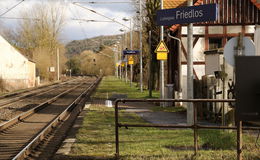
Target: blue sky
x,y
77,29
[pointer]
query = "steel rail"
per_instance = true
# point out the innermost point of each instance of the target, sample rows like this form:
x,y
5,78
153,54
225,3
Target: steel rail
x,y
24,152
33,89
33,110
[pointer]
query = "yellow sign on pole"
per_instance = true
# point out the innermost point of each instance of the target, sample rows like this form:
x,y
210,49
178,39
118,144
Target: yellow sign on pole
x,y
131,60
161,51
161,47
161,55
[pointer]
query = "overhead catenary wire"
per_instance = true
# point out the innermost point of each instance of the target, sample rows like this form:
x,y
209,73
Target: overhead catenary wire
x,y
104,2
91,10
89,20
18,18
8,10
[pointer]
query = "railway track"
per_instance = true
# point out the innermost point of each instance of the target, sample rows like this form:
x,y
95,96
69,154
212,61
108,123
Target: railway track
x,y
26,132
17,104
18,96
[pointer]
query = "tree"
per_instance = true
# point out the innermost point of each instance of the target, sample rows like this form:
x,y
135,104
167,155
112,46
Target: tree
x,y
39,39
74,65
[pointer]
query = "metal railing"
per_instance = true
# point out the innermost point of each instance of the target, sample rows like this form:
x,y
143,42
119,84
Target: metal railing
x,y
194,126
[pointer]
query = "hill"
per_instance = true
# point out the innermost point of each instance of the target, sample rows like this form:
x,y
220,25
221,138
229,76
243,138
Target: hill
x,y
95,44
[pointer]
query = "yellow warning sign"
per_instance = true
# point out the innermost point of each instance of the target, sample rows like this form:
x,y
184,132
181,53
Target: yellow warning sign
x,y
161,55
131,58
117,64
161,47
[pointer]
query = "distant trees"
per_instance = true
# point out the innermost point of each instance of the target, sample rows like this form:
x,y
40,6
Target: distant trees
x,y
74,65
91,63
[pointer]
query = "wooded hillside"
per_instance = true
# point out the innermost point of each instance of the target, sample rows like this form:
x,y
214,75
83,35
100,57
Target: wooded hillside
x,y
95,44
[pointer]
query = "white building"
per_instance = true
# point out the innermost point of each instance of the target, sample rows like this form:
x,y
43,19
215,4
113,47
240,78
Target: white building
x,y
16,71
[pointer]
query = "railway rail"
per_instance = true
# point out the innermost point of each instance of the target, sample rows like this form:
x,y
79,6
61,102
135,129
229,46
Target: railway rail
x,y
19,103
5,100
22,134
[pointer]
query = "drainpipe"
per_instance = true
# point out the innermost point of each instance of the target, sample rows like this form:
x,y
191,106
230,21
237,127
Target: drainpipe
x,y
179,93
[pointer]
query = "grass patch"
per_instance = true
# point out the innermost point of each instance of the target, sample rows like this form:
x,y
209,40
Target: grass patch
x,y
111,85
96,137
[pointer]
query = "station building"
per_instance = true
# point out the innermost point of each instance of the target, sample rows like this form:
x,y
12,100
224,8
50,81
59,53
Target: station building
x,y
209,39
16,70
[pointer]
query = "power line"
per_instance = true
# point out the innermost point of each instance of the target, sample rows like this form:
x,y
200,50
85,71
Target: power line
x,y
90,39
95,2
17,18
89,20
12,8
91,10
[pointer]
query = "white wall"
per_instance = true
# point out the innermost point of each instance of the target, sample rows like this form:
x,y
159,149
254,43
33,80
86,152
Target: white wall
x,y
257,40
14,67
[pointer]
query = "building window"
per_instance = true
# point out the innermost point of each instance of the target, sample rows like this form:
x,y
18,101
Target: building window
x,y
215,43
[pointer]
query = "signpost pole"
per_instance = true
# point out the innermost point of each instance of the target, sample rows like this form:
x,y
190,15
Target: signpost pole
x,y
58,64
161,64
190,108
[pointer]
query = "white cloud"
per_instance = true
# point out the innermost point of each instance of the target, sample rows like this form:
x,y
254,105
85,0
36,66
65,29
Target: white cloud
x,y
75,29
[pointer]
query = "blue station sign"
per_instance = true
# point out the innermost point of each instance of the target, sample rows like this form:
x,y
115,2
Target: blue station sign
x,y
192,14
131,52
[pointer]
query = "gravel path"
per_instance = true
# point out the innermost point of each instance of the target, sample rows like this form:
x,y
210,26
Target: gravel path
x,y
144,110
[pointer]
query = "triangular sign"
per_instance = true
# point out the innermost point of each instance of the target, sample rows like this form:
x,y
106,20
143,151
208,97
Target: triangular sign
x,y
161,47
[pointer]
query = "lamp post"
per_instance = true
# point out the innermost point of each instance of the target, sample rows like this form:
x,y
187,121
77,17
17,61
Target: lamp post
x,y
141,47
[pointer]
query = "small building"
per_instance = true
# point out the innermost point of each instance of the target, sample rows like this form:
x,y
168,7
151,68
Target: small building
x,y
234,17
16,70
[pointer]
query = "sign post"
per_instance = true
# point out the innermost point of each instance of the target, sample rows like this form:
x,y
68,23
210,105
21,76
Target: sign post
x,y
161,63
130,53
191,14
161,51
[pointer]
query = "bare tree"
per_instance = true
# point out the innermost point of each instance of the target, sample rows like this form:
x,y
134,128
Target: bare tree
x,y
39,38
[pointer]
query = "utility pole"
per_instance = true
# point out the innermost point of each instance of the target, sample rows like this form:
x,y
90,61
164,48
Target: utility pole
x,y
190,108
161,64
126,57
141,47
150,64
58,64
116,60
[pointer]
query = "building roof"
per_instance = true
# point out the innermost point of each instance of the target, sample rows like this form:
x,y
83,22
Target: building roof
x,y
180,3
167,4
256,3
